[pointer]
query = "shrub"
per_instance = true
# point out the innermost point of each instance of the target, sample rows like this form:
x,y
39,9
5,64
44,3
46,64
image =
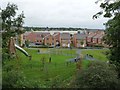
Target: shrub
x,y
10,78
97,75
13,77
55,82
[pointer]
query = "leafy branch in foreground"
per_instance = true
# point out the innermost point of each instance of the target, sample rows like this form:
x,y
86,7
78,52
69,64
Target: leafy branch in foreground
x,y
111,9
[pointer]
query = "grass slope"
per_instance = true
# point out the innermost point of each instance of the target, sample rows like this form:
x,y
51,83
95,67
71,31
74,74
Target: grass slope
x,y
33,70
98,54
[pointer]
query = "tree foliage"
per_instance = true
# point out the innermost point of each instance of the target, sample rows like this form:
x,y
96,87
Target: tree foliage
x,y
97,75
11,24
111,10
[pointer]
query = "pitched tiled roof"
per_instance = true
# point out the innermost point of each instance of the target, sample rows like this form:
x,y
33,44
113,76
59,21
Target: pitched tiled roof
x,y
47,36
65,36
80,36
55,34
91,35
98,36
26,33
39,34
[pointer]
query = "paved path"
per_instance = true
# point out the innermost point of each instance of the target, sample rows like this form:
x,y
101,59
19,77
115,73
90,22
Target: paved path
x,y
85,57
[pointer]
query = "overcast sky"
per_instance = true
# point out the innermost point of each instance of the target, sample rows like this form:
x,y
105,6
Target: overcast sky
x,y
59,13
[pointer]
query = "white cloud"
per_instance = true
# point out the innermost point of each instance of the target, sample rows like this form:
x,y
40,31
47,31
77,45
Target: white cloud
x,y
58,13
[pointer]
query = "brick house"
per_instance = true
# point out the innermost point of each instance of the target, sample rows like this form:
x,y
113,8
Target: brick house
x,y
79,40
35,37
52,40
56,36
89,39
49,40
97,39
65,39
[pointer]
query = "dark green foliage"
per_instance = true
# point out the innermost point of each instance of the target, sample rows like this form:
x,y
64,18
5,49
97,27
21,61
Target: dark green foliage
x,y
108,9
13,77
10,25
50,28
112,37
97,75
10,78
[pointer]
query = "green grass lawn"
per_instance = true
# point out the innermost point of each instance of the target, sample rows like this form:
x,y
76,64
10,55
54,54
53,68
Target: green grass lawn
x,y
33,69
98,54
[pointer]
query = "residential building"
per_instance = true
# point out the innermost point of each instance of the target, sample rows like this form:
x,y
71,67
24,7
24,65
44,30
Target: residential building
x,y
79,40
65,39
56,36
97,39
36,37
89,38
94,37
49,40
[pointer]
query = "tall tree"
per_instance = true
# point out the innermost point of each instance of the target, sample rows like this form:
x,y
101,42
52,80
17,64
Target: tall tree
x,y
111,9
11,24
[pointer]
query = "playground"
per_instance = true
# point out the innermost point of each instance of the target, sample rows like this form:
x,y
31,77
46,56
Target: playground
x,y
51,67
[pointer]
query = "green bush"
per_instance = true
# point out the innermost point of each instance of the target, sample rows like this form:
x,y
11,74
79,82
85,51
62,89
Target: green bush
x,y
97,75
13,77
55,82
10,78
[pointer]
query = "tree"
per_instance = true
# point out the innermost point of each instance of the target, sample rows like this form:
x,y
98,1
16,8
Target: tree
x,y
98,75
11,25
112,38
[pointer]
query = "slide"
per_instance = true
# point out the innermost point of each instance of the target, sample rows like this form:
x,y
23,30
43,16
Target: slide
x,y
22,50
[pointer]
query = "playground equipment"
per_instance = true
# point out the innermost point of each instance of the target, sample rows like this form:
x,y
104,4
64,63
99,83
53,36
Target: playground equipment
x,y
22,50
12,47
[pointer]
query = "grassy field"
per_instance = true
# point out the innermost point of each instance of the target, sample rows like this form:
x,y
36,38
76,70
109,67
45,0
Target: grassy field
x,y
34,70
58,70
98,54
